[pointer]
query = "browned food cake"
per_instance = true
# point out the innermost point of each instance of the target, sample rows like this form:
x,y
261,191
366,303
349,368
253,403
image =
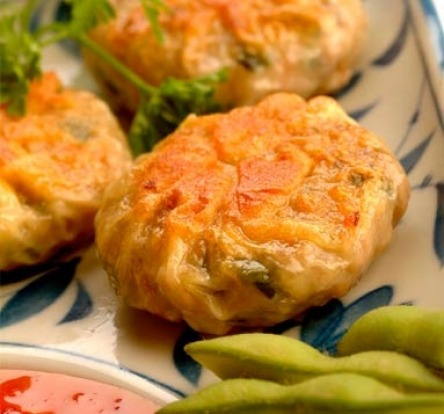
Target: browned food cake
x,y
302,46
55,162
250,217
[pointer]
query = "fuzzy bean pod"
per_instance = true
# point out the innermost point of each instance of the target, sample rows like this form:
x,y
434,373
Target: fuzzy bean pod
x,y
336,393
287,361
411,330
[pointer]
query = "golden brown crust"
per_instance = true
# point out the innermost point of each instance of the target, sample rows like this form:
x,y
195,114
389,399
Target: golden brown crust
x,y
55,163
250,217
303,46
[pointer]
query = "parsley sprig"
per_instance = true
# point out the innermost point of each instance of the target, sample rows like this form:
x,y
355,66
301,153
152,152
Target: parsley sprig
x,y
160,113
20,56
161,109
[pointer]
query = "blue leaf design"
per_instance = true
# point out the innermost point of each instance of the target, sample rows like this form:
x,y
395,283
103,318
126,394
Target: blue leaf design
x,y
426,181
324,326
434,21
411,159
81,307
412,122
38,294
188,367
358,114
373,299
392,52
63,14
320,323
438,235
413,118
355,79
408,303
22,273
36,18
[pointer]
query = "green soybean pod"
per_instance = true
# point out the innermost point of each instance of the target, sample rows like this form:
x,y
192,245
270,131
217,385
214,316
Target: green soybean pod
x,y
287,361
411,330
336,393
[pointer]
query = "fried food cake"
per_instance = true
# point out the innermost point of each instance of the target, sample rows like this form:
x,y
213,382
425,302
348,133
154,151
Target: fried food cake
x,y
251,217
55,162
303,46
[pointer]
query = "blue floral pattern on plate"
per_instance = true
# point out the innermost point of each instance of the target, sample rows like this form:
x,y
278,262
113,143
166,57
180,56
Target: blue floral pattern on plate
x,y
394,93
41,292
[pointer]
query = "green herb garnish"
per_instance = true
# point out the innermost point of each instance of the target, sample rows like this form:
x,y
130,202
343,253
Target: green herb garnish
x,y
162,108
159,113
152,11
20,56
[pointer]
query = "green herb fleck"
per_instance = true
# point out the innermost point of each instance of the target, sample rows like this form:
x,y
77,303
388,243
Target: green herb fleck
x,y
356,179
257,274
251,60
20,56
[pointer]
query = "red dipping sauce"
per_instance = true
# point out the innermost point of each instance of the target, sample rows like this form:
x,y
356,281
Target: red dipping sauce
x,y
32,392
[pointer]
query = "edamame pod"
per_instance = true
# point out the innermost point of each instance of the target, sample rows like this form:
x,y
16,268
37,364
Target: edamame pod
x,y
410,330
287,361
337,393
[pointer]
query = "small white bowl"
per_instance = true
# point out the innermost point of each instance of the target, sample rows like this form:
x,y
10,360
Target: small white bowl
x,y
52,360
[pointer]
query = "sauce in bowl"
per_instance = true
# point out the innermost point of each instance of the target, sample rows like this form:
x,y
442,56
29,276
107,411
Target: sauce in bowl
x,y
35,392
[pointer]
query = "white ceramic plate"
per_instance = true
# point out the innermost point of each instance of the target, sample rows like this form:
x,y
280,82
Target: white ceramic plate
x,y
397,93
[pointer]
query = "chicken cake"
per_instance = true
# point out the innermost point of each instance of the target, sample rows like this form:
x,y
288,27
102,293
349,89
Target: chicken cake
x,y
55,162
250,217
303,46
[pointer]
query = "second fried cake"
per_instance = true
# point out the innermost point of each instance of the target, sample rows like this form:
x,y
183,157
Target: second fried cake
x,y
303,46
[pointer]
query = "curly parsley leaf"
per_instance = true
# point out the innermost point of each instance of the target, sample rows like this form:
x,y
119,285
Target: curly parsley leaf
x,y
87,14
20,56
160,114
